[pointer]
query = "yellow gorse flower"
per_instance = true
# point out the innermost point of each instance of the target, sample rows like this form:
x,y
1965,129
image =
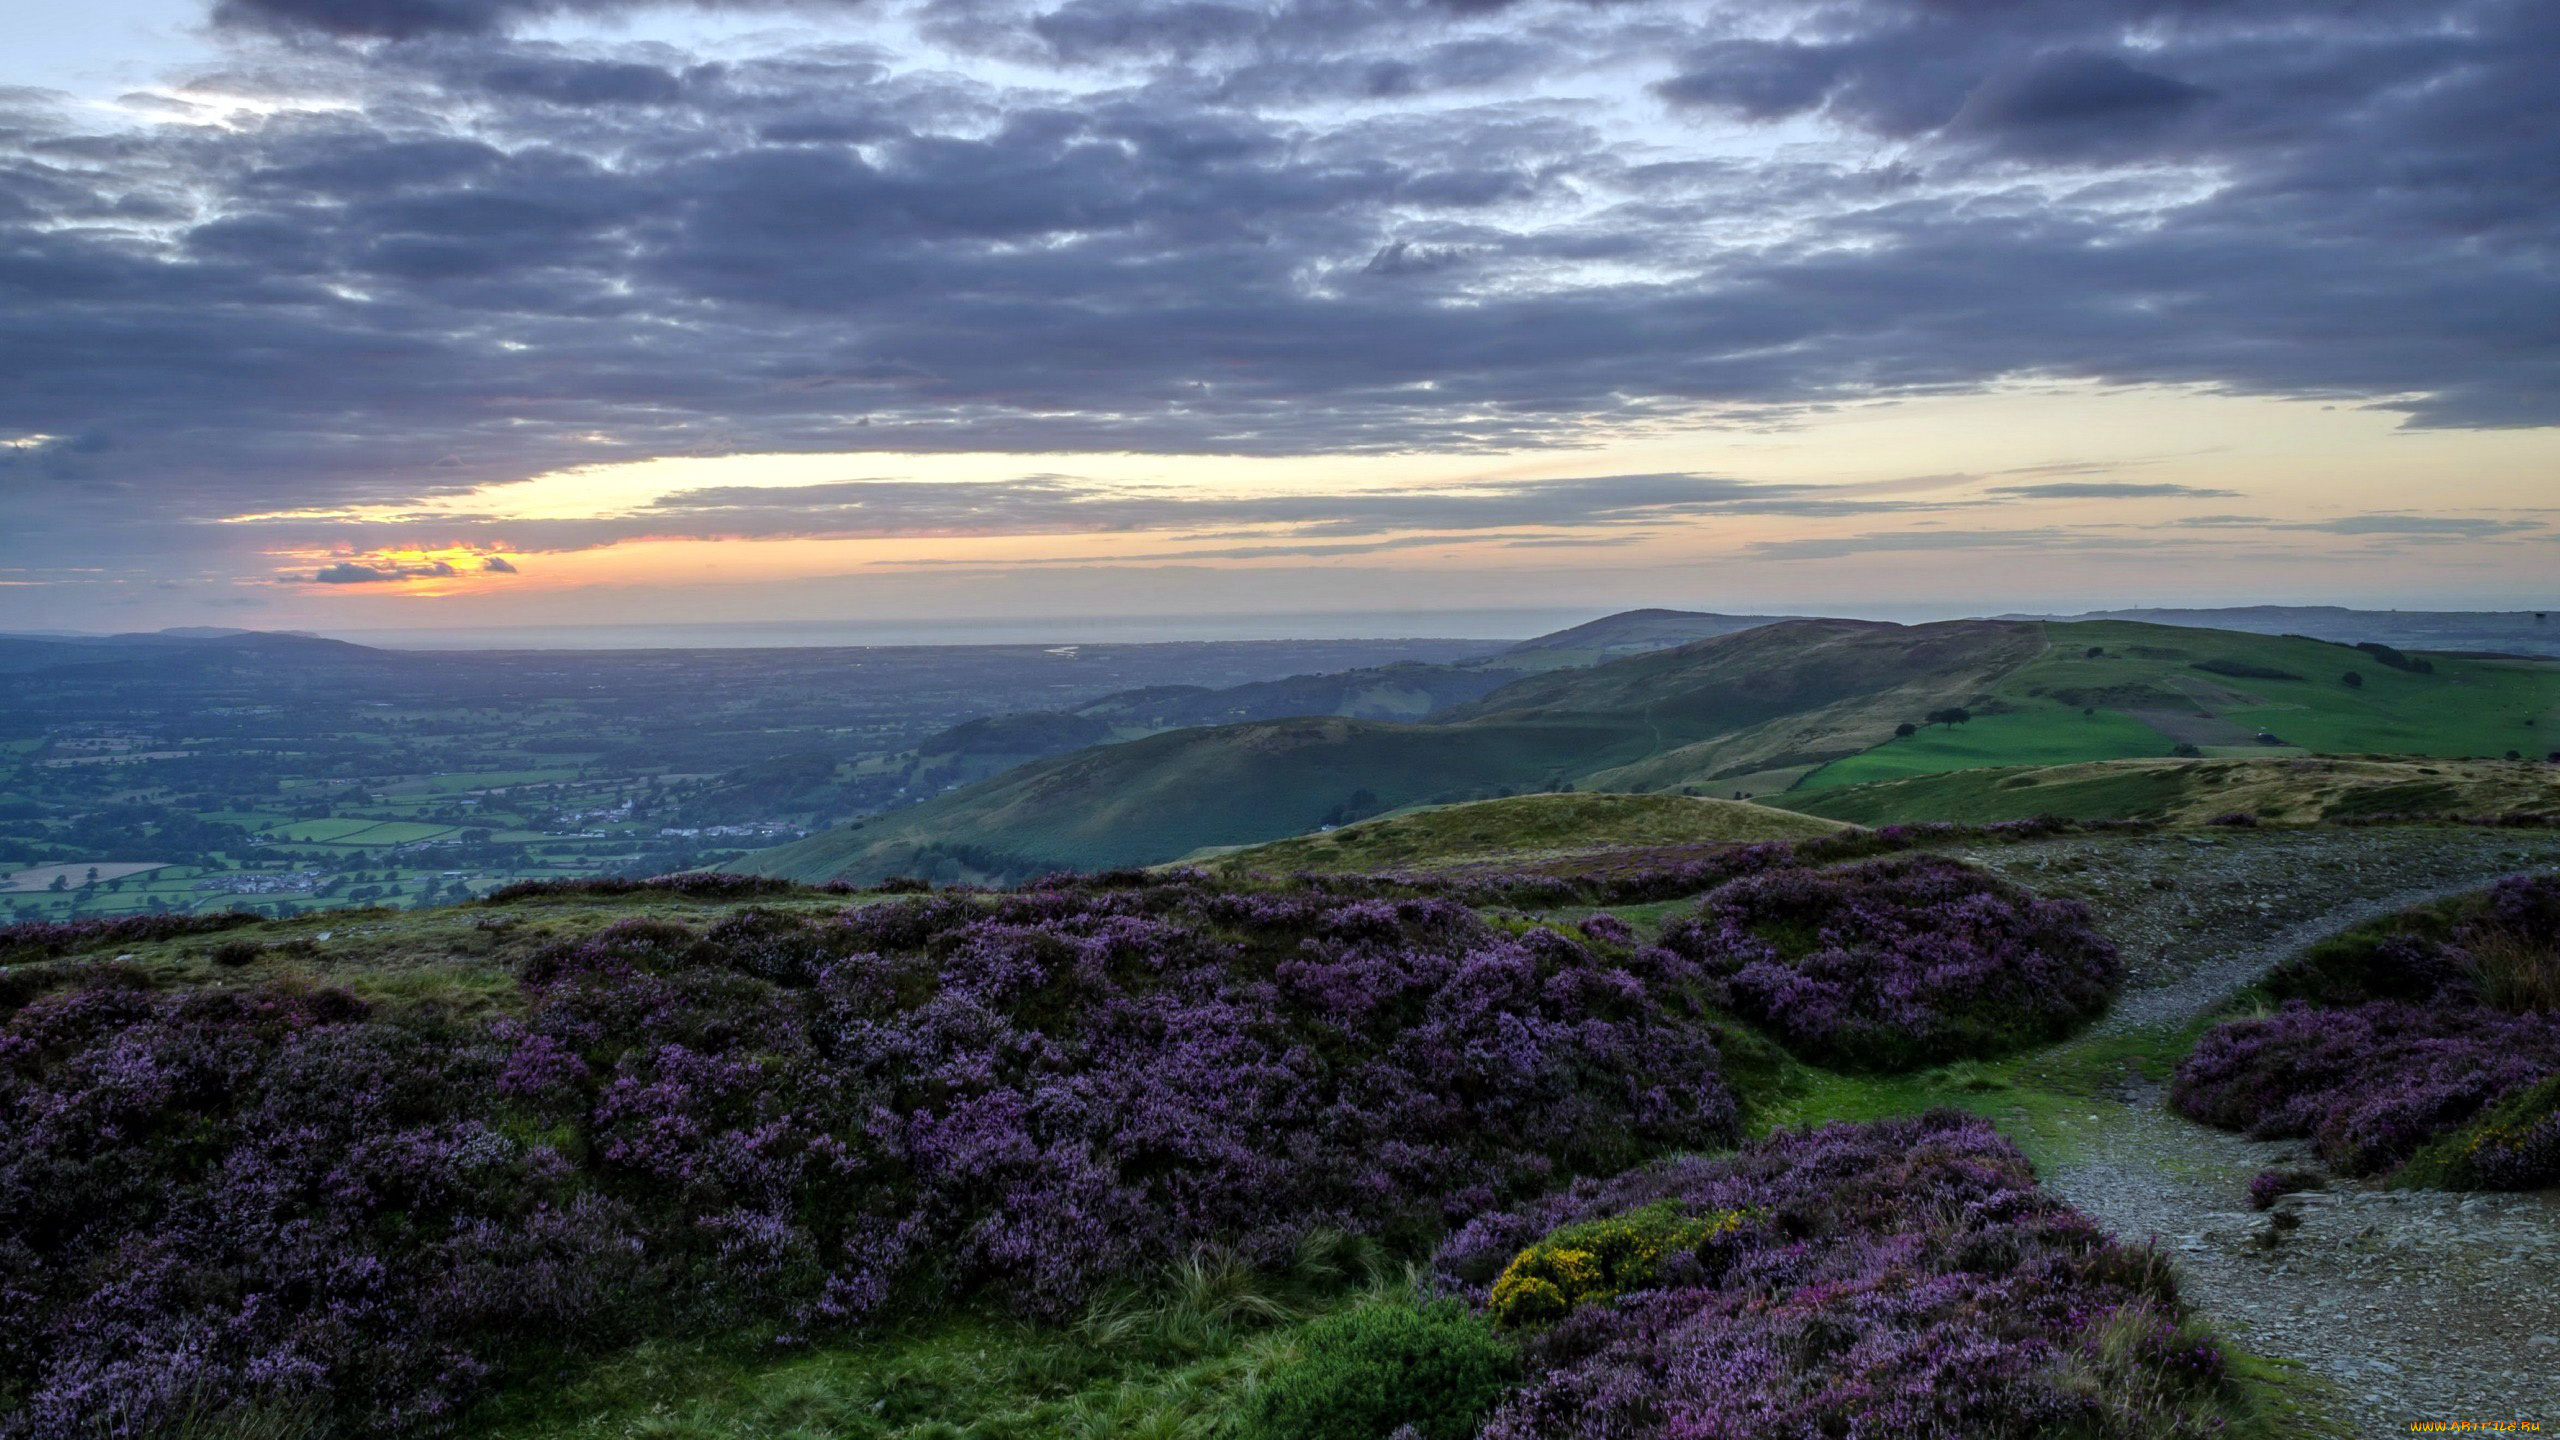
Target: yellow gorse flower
x,y
1599,1260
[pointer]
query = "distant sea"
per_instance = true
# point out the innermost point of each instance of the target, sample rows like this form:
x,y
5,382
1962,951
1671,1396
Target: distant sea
x,y
1065,630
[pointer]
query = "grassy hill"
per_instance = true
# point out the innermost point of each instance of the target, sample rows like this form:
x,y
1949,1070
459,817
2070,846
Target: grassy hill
x,y
1525,827
2106,690
1631,632
1168,795
2295,790
1801,706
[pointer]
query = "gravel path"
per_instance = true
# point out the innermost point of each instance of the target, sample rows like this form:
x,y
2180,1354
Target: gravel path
x,y
2414,1305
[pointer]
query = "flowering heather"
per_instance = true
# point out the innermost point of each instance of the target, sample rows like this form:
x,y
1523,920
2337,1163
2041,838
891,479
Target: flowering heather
x,y
282,1195
44,939
1904,1278
691,884
2403,1040
1899,962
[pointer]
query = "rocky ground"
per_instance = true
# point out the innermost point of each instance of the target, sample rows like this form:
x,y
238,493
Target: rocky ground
x,y
2414,1305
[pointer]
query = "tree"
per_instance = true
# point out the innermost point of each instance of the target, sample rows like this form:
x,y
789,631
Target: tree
x,y
2095,652
1952,715
60,884
1905,730
2352,680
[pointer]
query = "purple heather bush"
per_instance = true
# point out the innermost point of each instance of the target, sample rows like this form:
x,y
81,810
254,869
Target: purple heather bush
x,y
2412,1036
44,939
1892,1279
283,1196
1898,962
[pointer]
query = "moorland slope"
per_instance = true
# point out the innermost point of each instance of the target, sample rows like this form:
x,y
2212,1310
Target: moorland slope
x,y
1525,828
1801,705
2288,790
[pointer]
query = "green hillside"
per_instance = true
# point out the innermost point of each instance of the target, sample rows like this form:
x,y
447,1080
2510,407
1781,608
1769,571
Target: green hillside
x,y
1526,827
1803,690
1798,707
2152,687
2295,790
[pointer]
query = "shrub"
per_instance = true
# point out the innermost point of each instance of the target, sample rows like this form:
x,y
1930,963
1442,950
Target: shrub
x,y
2242,670
1897,963
692,884
1901,1278
1366,1373
1599,1260
45,939
2404,1043
274,1195
2513,1145
2268,1186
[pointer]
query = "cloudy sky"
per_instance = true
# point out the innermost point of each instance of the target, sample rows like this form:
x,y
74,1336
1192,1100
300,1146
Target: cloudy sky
x,y
378,314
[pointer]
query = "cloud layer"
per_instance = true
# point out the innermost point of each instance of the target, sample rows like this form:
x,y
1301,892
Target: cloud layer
x,y
442,251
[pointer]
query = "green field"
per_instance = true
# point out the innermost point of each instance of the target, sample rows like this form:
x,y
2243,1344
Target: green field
x,y
2044,735
2149,689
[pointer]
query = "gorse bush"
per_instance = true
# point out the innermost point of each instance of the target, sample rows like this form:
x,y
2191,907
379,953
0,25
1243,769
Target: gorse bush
x,y
1599,1260
1371,1372
275,1196
2408,1038
1901,962
1903,1278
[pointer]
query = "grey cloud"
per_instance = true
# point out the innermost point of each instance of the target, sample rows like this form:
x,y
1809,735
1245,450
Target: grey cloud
x,y
347,572
2109,490
493,262
498,564
2420,525
2439,526
1842,546
404,19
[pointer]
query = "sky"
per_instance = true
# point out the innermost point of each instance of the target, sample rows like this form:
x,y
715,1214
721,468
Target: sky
x,y
444,316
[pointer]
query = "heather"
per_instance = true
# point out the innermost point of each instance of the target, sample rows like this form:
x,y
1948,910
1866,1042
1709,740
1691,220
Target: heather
x,y
45,939
2430,1034
1899,962
1905,1278
281,1199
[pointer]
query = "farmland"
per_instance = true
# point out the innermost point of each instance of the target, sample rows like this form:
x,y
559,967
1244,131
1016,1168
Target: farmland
x,y
282,775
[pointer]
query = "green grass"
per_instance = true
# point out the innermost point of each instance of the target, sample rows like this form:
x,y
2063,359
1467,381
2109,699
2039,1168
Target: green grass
x,y
1179,1361
2044,734
2293,789
1526,827
480,780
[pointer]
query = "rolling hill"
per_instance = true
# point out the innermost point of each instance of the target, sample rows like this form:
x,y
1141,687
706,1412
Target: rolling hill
x,y
1524,828
1802,705
1410,690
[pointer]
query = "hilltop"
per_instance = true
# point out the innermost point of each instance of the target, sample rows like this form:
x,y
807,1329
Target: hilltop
x,y
1525,828
1797,705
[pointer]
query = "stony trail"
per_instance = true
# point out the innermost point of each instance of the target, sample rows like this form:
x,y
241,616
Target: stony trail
x,y
2416,1306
